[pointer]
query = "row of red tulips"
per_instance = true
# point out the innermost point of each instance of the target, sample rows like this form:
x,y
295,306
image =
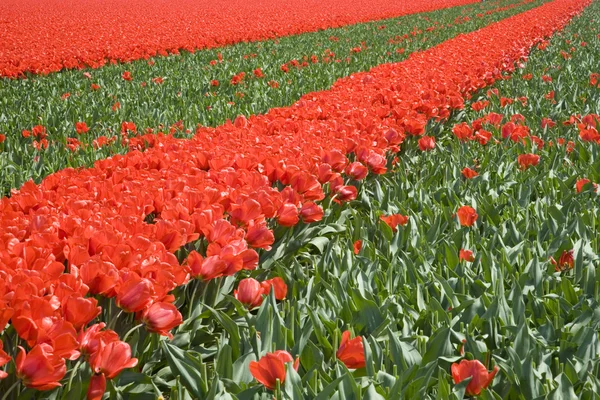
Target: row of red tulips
x,y
46,37
116,227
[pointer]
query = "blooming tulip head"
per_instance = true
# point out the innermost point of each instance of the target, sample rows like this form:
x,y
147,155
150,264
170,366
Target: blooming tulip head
x,y
351,351
161,317
112,358
474,369
271,367
394,220
249,292
40,369
467,215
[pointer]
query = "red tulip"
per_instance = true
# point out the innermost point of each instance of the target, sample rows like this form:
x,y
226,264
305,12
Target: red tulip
x,y
467,215
394,220
528,160
351,352
112,358
41,369
565,261
4,359
89,340
259,236
206,269
135,294
161,317
357,246
81,127
469,173
579,186
466,255
311,212
288,215
279,286
357,171
249,292
97,387
80,310
427,143
127,76
346,193
272,367
474,369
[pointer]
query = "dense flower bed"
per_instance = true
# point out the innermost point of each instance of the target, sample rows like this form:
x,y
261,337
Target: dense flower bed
x,y
119,227
44,37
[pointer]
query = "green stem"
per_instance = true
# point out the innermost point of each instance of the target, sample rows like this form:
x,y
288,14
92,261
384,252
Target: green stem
x,y
14,385
131,331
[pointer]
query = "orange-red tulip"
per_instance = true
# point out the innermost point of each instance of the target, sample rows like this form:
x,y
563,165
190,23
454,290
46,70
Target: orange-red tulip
x,y
278,285
469,173
351,351
249,292
394,220
357,246
466,255
40,369
474,369
427,143
311,212
89,339
357,171
272,367
97,387
4,359
112,358
581,184
135,294
467,215
527,160
161,317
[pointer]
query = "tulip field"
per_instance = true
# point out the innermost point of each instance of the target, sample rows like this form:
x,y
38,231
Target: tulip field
x,y
299,200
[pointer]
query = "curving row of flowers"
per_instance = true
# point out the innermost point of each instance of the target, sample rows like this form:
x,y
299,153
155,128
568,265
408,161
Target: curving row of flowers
x,y
113,231
46,37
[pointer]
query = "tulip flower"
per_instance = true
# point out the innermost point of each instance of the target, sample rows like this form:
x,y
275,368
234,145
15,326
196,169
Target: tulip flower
x,y
351,351
469,173
394,220
112,358
288,215
4,359
580,185
272,367
97,387
81,128
565,261
427,143
135,294
527,160
357,246
346,193
357,171
311,212
161,317
40,369
279,286
466,255
474,369
89,339
249,292
467,215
